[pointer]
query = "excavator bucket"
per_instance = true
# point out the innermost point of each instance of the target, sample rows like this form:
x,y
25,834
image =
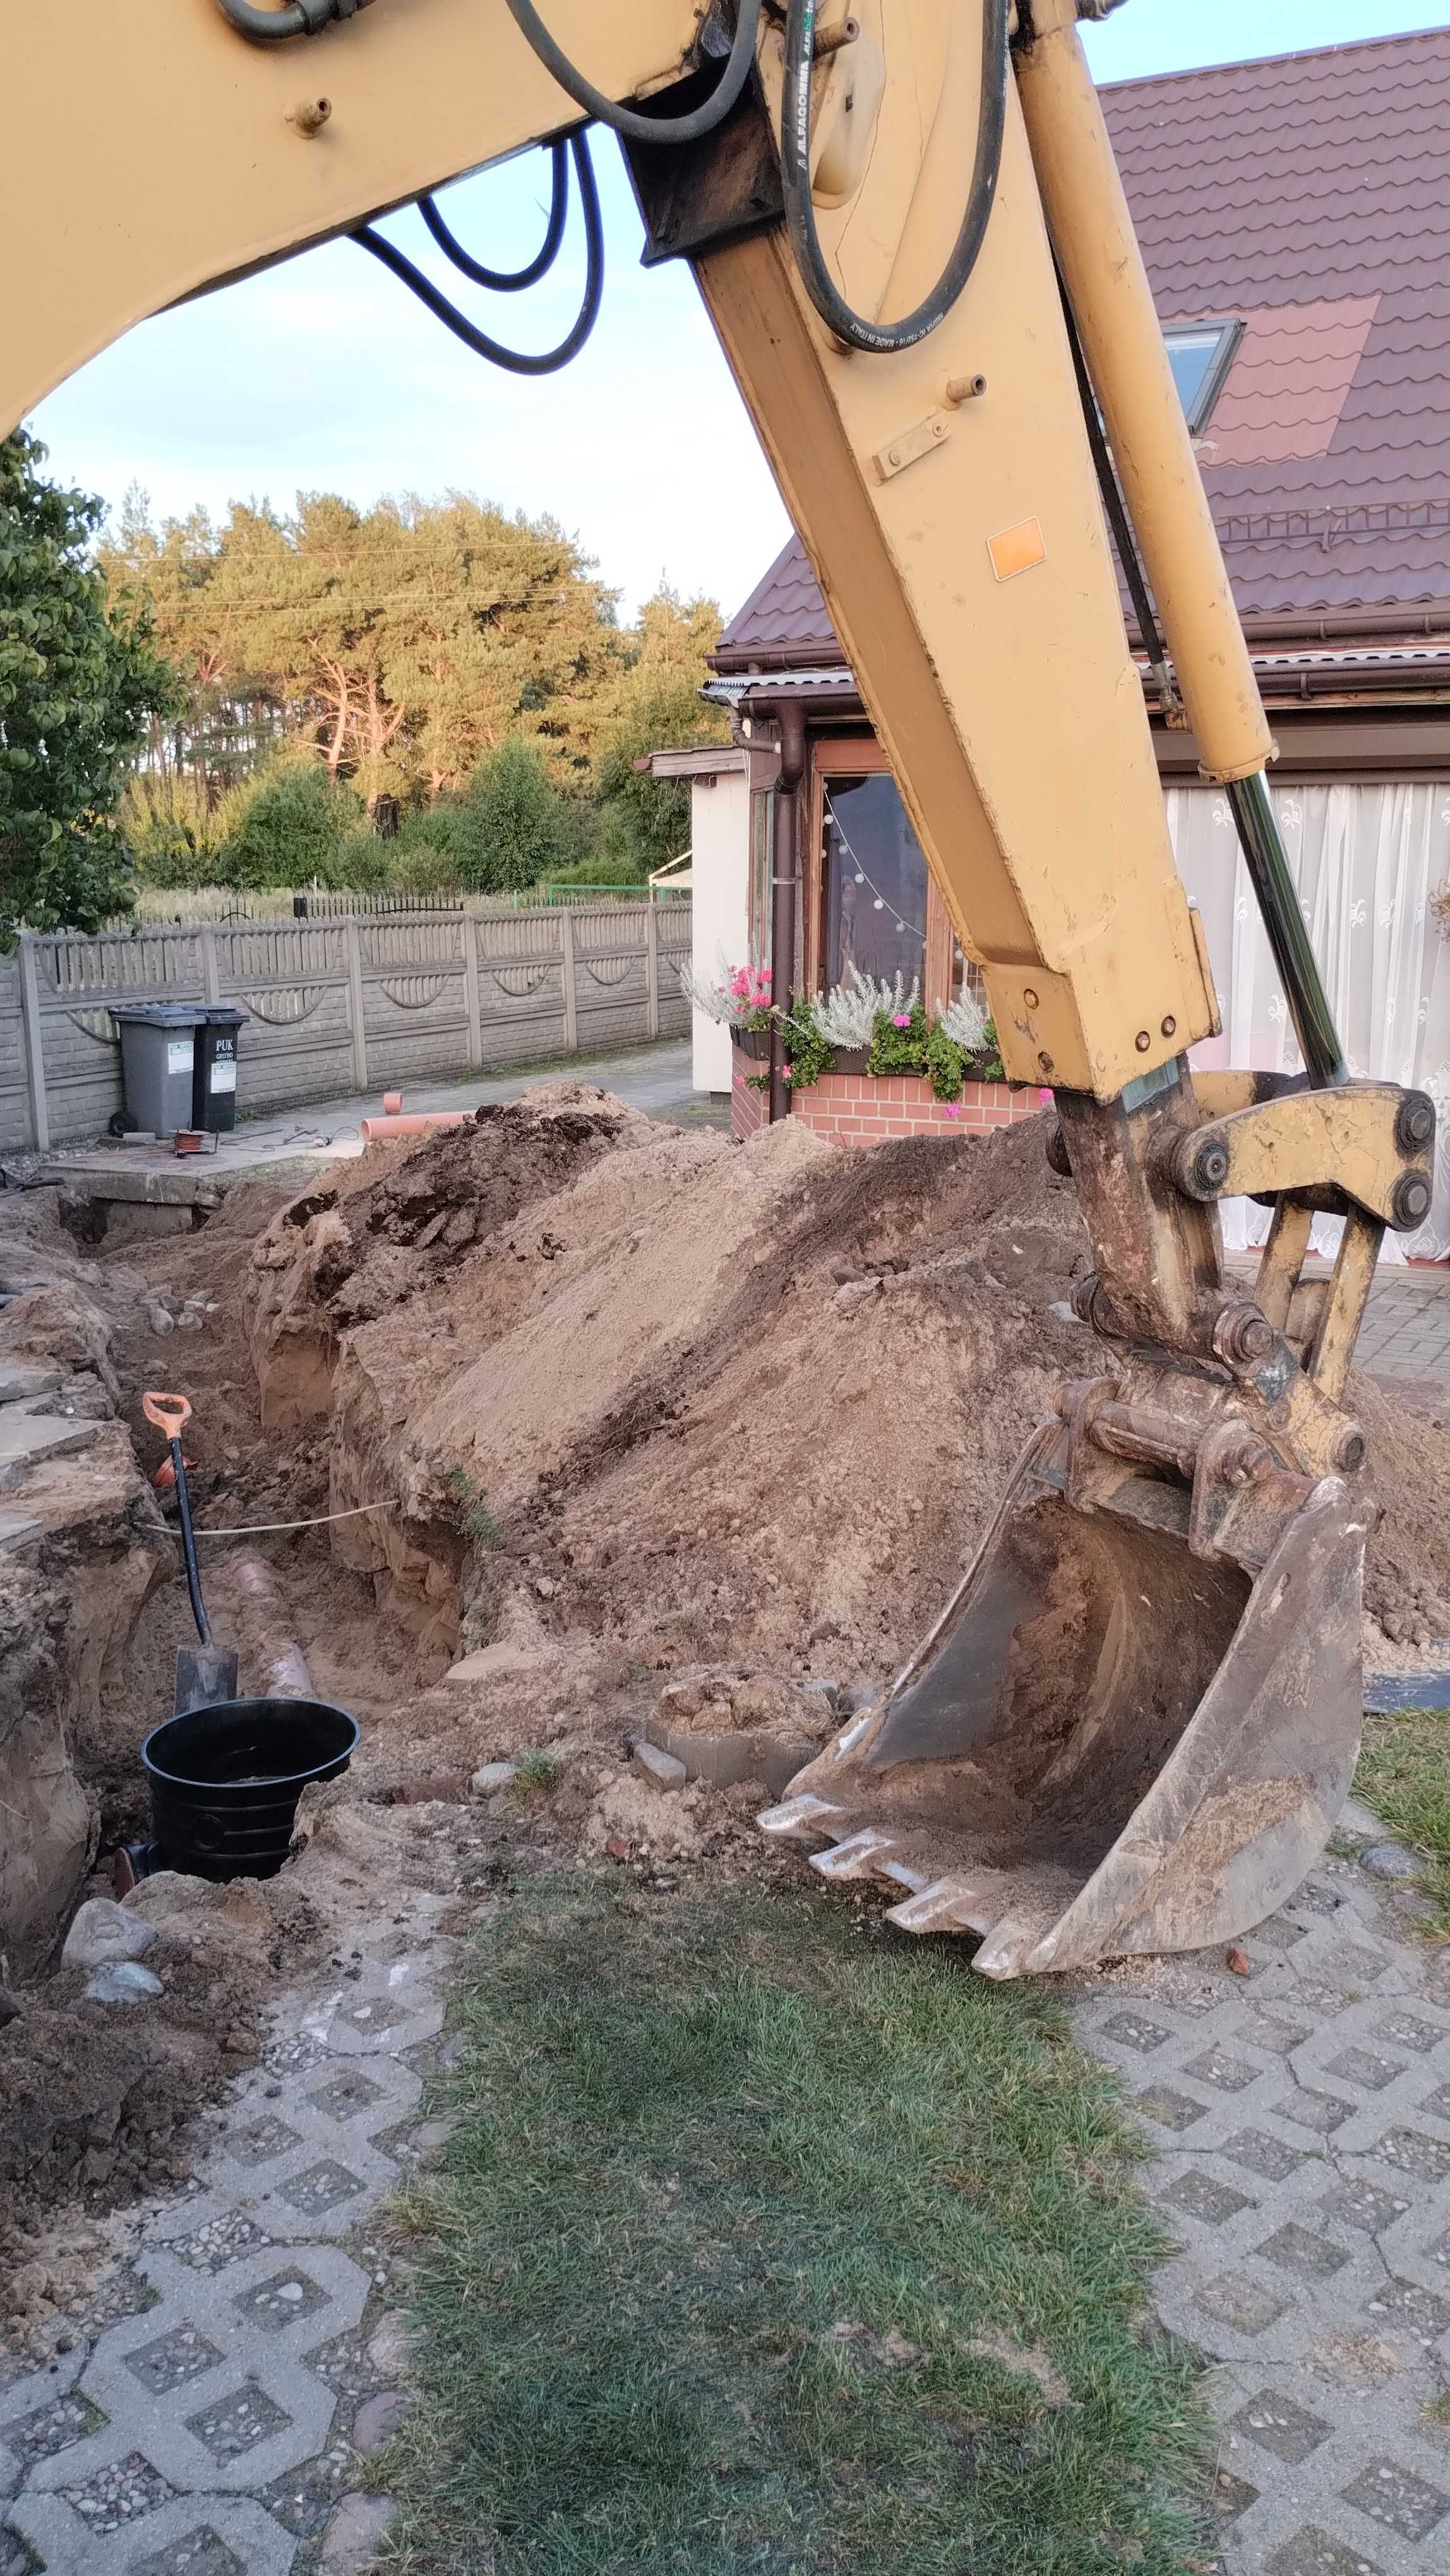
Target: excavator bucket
x,y
1108,1743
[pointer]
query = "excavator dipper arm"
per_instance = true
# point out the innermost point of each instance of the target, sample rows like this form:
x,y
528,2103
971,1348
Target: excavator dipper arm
x,y
1135,1721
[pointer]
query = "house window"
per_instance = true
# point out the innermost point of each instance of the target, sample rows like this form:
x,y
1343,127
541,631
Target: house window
x,y
875,881
868,896
1201,354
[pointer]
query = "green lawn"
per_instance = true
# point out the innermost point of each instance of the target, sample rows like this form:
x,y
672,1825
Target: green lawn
x,y
1404,1774
740,2179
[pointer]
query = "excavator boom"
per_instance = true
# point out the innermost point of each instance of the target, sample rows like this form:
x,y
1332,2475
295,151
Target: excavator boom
x,y
1134,1723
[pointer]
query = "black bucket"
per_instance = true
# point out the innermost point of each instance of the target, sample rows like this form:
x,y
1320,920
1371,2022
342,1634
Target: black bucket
x,y
225,1781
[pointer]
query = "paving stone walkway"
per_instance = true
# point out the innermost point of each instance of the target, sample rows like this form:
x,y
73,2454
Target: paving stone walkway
x,y
1301,2123
204,2425
210,2420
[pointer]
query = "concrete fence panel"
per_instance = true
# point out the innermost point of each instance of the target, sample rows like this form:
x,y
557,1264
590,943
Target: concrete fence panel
x,y
361,1002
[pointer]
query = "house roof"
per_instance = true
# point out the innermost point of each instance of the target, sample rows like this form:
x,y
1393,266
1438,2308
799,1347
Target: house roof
x,y
1310,196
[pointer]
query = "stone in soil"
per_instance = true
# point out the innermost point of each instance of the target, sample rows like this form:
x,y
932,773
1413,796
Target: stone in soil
x,y
356,2533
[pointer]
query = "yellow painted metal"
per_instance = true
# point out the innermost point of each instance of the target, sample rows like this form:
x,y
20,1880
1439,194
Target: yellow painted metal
x,y
1092,232
1311,1139
1010,707
146,149
997,671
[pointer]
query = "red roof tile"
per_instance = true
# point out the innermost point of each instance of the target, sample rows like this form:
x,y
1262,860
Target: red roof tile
x,y
1310,195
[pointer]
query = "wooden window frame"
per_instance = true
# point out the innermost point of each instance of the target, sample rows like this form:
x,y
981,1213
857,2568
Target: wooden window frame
x,y
859,755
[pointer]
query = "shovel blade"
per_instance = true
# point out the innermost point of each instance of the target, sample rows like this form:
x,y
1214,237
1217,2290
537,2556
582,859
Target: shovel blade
x,y
204,1674
1108,1744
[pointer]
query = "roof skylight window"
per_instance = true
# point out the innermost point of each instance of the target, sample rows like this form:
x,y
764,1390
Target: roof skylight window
x,y
1201,354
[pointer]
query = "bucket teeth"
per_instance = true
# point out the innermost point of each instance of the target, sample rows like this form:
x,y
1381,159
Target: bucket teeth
x,y
948,1905
803,1819
860,1856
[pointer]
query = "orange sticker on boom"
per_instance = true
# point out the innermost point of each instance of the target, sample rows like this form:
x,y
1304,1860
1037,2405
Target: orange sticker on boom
x,y
1017,549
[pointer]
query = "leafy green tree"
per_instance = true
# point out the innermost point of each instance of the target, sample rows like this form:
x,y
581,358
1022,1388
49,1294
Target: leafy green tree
x,y
646,820
513,826
79,681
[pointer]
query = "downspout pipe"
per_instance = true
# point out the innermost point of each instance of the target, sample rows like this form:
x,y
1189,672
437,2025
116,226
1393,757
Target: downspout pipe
x,y
784,886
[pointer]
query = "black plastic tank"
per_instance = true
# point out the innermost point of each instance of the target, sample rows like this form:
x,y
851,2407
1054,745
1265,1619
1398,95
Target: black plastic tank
x,y
225,1781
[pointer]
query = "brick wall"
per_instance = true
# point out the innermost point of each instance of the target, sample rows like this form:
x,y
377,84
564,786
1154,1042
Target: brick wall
x,y
859,1109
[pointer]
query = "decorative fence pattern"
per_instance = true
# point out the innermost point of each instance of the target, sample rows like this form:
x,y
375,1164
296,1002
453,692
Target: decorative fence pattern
x,y
368,1003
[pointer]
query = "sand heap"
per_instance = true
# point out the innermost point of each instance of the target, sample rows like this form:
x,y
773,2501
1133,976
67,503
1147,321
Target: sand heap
x,y
670,1400
698,1402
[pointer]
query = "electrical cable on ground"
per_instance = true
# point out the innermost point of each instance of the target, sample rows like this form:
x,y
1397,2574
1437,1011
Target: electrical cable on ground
x,y
516,362
268,1529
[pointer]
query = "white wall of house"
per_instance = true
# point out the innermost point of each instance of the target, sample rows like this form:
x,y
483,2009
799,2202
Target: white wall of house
x,y
1367,860
720,838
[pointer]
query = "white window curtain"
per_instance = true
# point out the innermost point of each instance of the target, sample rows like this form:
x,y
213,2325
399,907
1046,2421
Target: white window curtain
x,y
1366,861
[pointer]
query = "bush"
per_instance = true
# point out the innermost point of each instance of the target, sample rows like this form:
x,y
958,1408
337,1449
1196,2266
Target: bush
x,y
512,826
287,826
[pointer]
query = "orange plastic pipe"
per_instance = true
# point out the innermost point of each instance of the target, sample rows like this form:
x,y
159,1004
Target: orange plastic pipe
x,y
373,1130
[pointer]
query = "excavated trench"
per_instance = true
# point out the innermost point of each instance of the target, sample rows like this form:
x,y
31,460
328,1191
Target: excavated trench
x,y
658,1437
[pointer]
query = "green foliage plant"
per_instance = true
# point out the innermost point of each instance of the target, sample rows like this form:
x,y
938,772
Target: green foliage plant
x,y
289,825
79,680
808,1055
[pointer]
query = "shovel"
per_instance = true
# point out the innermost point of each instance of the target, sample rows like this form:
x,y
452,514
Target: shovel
x,y
205,1672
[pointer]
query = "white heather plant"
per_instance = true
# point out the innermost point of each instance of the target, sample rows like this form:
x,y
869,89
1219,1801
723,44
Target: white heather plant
x,y
965,1022
846,1016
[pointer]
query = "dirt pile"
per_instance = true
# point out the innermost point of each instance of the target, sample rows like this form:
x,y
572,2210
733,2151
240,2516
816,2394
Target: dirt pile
x,y
700,1403
398,1223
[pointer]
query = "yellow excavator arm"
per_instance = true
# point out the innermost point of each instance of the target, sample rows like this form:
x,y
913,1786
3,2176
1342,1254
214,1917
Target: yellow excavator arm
x,y
1138,1716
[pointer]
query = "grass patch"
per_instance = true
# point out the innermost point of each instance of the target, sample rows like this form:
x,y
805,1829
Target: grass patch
x,y
737,2185
1404,1774
536,1775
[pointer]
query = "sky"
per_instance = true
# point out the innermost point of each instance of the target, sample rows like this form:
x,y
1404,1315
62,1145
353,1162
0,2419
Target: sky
x,y
325,374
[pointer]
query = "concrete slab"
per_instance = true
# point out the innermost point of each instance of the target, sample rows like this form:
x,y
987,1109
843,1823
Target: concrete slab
x,y
21,1381
26,1436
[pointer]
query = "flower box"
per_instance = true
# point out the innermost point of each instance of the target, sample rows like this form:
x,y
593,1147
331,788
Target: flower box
x,y
754,1043
863,1109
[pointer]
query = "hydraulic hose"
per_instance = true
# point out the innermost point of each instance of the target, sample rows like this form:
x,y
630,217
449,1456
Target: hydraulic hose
x,y
627,120
513,360
883,338
298,18
509,281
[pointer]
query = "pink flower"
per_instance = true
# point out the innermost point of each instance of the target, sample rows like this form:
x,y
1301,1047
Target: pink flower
x,y
901,1019
787,1073
951,1109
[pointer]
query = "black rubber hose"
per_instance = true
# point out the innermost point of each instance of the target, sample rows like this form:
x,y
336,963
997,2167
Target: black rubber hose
x,y
299,18
509,281
627,120
513,360
188,1546
885,338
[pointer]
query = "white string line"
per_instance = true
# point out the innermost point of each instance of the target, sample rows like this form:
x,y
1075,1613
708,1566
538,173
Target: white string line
x,y
835,820
267,1529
